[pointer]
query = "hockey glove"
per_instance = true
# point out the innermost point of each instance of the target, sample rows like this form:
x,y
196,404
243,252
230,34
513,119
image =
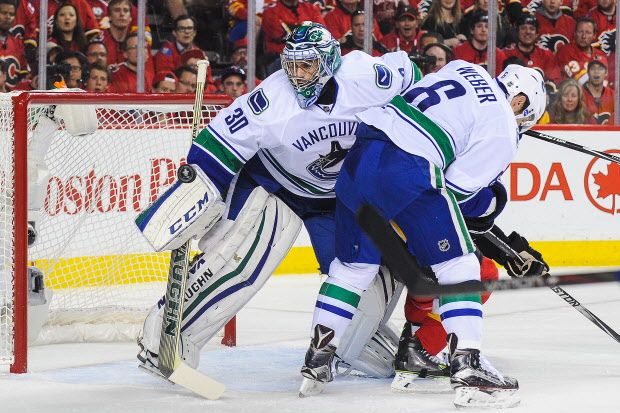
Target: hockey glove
x,y
494,197
533,264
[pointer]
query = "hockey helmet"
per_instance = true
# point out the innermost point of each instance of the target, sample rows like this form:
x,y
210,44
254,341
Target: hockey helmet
x,y
310,58
517,79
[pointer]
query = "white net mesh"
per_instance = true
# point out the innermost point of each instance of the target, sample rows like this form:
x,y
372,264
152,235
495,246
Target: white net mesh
x,y
84,193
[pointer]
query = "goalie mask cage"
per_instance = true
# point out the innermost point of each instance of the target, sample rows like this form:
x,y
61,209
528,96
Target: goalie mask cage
x,y
82,193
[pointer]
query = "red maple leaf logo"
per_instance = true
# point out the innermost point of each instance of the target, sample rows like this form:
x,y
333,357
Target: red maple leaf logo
x,y
608,184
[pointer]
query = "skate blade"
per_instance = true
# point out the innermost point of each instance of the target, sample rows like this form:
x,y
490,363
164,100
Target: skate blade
x,y
495,399
310,387
408,382
153,371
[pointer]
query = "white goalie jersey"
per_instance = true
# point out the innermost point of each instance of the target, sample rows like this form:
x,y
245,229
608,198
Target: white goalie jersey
x,y
302,149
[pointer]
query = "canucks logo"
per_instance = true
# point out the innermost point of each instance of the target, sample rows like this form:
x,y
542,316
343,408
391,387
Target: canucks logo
x,y
319,168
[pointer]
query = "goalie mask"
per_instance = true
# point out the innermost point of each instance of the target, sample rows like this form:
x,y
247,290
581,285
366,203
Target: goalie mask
x,y
517,79
310,58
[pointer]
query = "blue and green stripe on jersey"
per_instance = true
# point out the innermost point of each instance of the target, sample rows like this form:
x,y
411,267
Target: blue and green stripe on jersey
x,y
337,300
441,140
438,181
215,145
417,76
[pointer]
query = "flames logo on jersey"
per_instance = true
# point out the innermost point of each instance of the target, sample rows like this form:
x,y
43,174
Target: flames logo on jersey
x,y
551,41
13,70
533,6
318,168
607,41
423,7
602,118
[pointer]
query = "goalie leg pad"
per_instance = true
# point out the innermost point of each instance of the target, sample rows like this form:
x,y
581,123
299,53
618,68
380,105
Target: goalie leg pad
x,y
370,342
184,211
227,276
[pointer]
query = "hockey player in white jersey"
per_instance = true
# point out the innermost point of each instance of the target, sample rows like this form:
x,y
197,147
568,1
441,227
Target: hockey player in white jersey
x,y
274,156
414,159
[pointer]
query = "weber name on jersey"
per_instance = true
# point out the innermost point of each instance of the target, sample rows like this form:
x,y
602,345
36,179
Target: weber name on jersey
x,y
472,135
302,149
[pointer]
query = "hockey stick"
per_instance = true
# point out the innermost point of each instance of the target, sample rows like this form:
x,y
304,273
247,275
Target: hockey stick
x,y
573,146
407,270
556,289
170,363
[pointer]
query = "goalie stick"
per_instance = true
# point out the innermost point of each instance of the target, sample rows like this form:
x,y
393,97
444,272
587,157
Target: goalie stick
x,y
407,270
573,146
170,363
499,243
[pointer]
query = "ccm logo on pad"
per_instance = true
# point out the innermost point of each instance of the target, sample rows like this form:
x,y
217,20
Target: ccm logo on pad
x,y
189,216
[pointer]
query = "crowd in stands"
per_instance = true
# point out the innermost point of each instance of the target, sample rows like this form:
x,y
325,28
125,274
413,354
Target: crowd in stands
x,y
93,44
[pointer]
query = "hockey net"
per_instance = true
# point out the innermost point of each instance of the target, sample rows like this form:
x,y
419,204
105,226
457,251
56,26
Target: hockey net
x,y
83,193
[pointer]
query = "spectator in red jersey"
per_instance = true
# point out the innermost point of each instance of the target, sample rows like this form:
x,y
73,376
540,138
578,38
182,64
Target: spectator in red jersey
x,y
11,48
124,76
279,20
89,22
113,38
191,58
583,8
338,21
475,49
599,99
573,58
78,68
165,82
385,12
96,52
604,15
441,55
232,82
100,11
555,27
67,31
569,106
25,27
406,35
444,17
98,79
530,53
187,76
355,40
168,58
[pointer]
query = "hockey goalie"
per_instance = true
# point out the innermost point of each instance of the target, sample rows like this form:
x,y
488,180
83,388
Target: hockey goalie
x,y
264,166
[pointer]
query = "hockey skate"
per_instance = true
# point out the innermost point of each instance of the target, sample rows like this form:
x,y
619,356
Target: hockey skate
x,y
417,370
477,383
317,368
148,360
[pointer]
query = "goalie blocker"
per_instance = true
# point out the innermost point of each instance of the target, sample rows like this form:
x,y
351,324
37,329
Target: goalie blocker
x,y
185,211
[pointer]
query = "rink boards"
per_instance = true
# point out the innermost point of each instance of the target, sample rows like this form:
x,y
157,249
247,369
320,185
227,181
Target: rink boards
x,y
567,203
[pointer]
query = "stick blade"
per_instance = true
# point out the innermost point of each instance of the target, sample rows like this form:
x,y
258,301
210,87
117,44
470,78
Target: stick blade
x,y
193,380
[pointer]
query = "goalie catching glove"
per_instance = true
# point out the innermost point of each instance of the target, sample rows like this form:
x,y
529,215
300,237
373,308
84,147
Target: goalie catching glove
x,y
533,262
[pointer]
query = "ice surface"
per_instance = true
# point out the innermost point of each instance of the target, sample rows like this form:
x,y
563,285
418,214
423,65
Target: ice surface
x,y
563,362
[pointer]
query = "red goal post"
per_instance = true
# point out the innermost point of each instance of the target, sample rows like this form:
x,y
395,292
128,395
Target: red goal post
x,y
82,193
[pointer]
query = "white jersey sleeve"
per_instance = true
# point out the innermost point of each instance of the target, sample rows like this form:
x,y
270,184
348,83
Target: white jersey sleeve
x,y
409,71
